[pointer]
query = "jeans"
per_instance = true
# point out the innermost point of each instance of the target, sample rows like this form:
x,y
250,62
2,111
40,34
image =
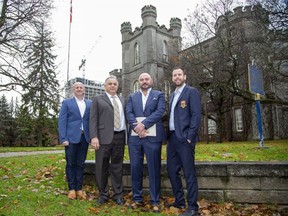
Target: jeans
x,y
75,160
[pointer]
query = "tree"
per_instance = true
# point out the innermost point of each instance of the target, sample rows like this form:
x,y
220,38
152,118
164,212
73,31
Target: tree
x,y
42,100
6,122
17,25
225,39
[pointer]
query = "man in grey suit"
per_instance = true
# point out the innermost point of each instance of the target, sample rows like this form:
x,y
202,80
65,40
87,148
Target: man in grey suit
x,y
108,139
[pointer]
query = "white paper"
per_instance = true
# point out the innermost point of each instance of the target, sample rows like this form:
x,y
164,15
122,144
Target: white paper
x,y
150,131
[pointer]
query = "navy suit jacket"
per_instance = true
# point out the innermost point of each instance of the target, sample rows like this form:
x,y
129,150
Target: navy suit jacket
x,y
69,123
187,114
154,110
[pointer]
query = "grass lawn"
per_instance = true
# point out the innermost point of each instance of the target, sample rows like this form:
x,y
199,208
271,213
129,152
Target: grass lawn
x,y
35,185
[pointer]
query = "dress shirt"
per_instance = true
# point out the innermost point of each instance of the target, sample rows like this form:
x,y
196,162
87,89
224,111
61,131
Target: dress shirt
x,y
175,99
121,110
82,106
145,97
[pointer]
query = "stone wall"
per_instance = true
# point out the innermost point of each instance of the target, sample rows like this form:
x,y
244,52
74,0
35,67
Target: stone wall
x,y
242,182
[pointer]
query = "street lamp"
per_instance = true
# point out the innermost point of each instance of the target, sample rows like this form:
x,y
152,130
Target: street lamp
x,y
205,86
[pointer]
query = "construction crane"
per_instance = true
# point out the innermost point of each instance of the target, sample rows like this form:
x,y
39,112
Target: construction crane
x,y
83,61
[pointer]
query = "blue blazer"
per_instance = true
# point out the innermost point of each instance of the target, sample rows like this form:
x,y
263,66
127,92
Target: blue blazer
x,y
69,123
154,110
187,114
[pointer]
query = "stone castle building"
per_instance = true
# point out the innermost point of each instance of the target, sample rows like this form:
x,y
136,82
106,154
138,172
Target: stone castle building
x,y
155,49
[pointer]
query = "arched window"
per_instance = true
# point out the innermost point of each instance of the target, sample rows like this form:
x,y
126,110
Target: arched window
x,y
136,86
136,54
165,51
238,120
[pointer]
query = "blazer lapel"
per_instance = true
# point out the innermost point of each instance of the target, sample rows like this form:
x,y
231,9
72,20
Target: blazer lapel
x,y
106,98
76,106
86,107
149,99
139,99
183,92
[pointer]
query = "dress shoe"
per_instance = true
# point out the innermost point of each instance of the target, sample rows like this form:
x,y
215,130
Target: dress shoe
x,y
81,195
71,194
119,201
101,201
135,205
155,208
175,205
190,213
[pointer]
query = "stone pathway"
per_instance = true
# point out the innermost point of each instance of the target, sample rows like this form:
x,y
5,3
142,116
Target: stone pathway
x,y
16,154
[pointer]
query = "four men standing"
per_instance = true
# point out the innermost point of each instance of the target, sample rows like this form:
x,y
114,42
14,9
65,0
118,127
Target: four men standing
x,y
144,112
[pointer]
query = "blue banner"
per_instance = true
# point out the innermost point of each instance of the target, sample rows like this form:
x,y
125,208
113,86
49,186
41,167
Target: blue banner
x,y
255,80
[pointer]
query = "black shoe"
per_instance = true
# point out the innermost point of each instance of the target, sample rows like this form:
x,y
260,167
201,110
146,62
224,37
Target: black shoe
x,y
190,213
101,201
119,201
175,205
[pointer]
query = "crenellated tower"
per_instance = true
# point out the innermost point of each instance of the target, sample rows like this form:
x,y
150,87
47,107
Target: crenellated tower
x,y
147,49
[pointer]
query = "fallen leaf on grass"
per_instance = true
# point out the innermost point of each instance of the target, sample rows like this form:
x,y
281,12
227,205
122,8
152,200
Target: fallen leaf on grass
x,y
4,168
94,210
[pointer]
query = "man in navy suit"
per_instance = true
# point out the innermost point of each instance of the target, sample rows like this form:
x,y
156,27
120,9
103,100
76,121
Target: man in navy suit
x,y
184,121
150,105
73,126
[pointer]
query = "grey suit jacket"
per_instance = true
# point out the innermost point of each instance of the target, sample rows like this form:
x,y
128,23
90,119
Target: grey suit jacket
x,y
101,121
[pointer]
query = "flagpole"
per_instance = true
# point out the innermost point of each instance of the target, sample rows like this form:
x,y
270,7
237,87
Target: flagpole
x,y
68,61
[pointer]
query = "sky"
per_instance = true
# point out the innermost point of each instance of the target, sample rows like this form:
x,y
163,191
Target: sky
x,y
95,32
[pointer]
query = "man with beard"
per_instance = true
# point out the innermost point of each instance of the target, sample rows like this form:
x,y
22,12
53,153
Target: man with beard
x,y
144,112
184,123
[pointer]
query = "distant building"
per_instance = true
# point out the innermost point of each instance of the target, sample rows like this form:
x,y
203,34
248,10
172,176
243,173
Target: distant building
x,y
92,88
150,47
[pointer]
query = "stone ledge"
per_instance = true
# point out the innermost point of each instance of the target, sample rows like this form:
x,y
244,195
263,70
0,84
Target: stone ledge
x,y
249,182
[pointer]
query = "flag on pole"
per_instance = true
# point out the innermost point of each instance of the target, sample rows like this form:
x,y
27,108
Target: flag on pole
x,y
70,11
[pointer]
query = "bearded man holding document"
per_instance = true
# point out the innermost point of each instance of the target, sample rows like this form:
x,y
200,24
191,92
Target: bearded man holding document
x,y
144,112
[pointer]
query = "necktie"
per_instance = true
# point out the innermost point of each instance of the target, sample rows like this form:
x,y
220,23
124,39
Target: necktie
x,y
116,113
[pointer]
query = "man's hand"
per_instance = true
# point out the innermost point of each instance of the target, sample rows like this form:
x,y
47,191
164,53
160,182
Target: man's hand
x,y
139,128
95,143
143,134
65,143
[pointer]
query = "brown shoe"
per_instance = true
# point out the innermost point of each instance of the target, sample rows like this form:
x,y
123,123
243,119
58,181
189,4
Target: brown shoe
x,y
81,195
156,209
135,205
71,194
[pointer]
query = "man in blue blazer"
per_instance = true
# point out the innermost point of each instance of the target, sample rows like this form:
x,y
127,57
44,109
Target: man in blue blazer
x,y
184,122
150,105
73,126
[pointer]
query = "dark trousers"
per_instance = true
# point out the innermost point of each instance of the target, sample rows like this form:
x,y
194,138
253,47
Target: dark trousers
x,y
180,155
109,160
75,160
152,152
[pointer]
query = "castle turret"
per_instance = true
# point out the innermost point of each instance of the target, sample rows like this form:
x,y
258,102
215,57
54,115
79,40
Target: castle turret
x,y
126,28
149,15
176,26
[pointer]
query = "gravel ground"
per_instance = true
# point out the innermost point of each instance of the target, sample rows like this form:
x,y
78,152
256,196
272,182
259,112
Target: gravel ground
x,y
14,154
